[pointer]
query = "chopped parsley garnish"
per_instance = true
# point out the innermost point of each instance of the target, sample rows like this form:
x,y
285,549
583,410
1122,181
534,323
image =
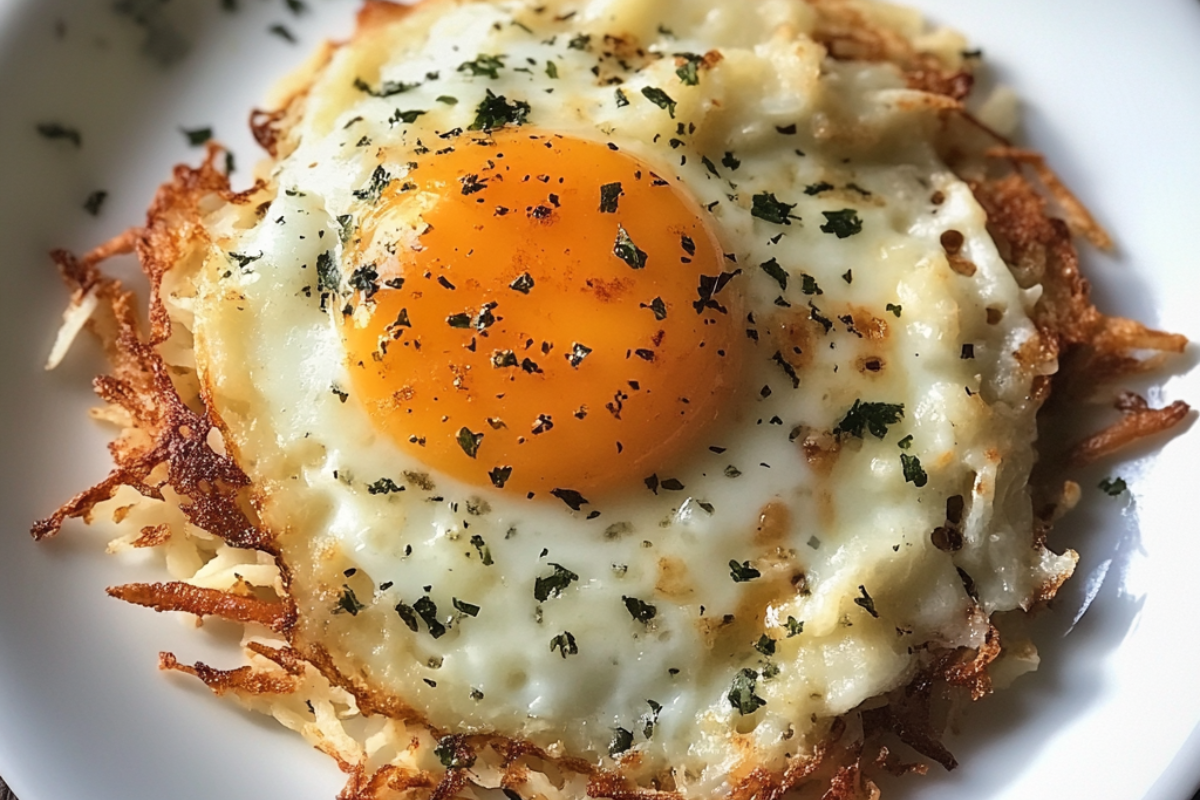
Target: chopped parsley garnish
x,y
94,201
407,117
766,206
580,42
348,603
815,315
872,417
469,442
765,645
485,553
710,166
627,251
1113,486
197,136
504,358
622,100
427,610
283,33
572,498
732,472
895,309
564,643
551,70
913,472
461,321
365,279
808,285
817,188
384,486
622,740
499,476
386,89
485,319
777,272
552,585
578,353
470,609
610,194
730,161
794,626
672,485
447,99
866,602
522,284
741,573
484,65
640,611
420,479
689,70
328,278
787,368
650,718
243,260
408,616
710,286
56,130
494,111
660,99
905,443
346,222
842,223
658,307
471,184
741,694
380,179
453,752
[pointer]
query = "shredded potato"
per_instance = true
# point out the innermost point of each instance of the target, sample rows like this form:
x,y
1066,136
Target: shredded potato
x,y
175,491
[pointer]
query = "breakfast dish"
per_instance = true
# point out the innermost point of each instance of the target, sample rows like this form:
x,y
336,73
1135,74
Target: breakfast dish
x,y
610,397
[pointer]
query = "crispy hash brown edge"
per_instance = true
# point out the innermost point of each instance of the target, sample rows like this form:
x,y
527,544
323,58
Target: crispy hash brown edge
x,y
169,451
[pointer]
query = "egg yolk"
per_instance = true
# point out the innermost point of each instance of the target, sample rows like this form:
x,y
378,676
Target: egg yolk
x,y
541,314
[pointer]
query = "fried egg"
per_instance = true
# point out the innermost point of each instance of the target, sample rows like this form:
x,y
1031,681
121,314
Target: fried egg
x,y
626,378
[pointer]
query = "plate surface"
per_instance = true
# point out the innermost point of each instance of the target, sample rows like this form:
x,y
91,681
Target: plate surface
x,y
1109,90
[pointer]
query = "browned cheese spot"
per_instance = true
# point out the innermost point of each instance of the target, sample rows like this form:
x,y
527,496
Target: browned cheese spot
x,y
774,524
872,328
870,365
673,579
820,448
794,335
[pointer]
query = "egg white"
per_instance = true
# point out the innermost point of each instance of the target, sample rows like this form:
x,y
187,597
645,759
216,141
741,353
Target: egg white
x,y
843,531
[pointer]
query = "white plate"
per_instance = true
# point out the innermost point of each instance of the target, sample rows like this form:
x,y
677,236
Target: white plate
x,y
1111,95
